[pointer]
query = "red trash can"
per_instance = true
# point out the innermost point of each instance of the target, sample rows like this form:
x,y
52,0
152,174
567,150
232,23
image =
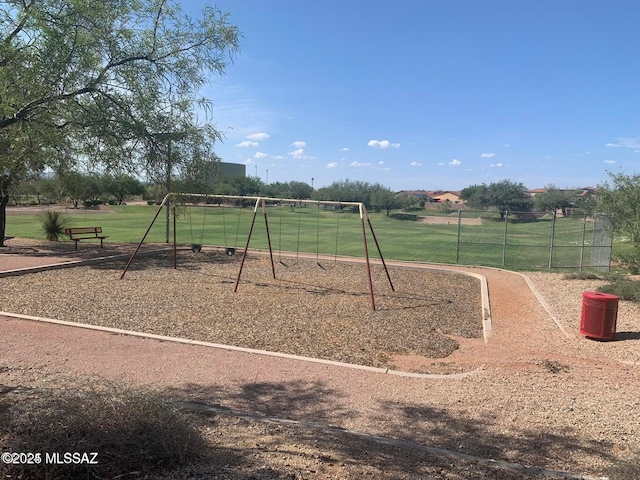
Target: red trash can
x,y
599,315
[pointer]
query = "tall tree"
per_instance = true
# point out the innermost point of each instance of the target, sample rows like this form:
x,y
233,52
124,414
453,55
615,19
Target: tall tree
x,y
620,198
508,196
122,186
382,198
114,82
476,196
554,199
345,191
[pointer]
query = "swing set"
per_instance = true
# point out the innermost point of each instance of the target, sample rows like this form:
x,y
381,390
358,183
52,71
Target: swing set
x,y
172,200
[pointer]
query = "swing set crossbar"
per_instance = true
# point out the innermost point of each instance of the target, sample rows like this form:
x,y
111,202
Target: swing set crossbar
x,y
261,203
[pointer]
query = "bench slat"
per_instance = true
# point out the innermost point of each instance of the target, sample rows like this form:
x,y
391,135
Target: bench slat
x,y
82,230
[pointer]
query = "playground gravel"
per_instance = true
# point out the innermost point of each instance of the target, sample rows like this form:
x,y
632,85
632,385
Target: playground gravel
x,y
320,310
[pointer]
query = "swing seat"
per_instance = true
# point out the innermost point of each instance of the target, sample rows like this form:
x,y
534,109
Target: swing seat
x,y
196,247
230,251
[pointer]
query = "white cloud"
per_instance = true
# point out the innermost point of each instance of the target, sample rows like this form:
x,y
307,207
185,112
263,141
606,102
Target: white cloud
x,y
415,164
495,165
487,155
506,145
299,154
380,162
248,161
455,162
332,165
277,157
610,162
260,155
259,136
440,163
246,143
382,144
344,149
626,142
299,144
359,164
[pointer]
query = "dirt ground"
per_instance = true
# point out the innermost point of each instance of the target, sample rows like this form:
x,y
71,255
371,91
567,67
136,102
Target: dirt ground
x,y
538,396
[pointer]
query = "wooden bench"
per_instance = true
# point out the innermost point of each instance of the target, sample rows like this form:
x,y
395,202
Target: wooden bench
x,y
85,233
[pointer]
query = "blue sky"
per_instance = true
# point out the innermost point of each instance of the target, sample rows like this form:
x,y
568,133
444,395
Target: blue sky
x,y
432,94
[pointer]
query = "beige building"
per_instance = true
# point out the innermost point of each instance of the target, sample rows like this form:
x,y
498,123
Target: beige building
x,y
443,196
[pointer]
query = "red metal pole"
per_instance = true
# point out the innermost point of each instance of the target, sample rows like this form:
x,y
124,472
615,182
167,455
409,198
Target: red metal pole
x,y
266,224
175,248
246,248
366,255
373,234
143,237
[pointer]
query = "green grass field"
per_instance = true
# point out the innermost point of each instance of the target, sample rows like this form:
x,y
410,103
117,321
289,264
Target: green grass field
x,y
515,245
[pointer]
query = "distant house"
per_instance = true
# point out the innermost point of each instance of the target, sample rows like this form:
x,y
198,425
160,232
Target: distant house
x,y
580,192
417,193
442,196
536,191
583,192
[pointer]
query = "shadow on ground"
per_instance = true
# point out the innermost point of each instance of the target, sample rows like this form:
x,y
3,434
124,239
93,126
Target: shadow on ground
x,y
316,407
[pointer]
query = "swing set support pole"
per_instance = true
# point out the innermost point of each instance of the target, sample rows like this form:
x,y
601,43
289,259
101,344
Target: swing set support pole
x,y
266,226
164,200
246,248
366,255
175,243
373,234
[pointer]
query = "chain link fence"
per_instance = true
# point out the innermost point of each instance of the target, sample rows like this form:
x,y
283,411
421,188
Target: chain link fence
x,y
531,240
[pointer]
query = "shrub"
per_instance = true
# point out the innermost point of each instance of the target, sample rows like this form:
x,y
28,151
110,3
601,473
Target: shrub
x,y
405,216
624,288
581,276
53,224
630,260
132,431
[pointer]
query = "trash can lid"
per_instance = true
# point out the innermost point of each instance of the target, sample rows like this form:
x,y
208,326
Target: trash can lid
x,y
600,296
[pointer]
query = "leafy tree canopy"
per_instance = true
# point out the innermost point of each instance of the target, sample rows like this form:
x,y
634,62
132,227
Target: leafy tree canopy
x,y
503,196
554,199
114,83
620,198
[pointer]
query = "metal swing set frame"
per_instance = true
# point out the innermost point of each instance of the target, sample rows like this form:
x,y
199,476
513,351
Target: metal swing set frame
x,y
261,203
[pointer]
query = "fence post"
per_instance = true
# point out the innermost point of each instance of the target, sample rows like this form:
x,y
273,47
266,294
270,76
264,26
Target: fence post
x,y
504,243
553,233
584,233
458,236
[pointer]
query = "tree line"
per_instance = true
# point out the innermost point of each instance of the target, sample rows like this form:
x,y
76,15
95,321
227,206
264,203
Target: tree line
x,y
93,189
508,196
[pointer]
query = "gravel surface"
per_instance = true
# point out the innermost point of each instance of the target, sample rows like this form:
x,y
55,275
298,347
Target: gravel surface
x,y
564,299
308,311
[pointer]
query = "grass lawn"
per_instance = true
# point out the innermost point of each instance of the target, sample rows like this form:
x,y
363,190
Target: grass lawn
x,y
310,230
